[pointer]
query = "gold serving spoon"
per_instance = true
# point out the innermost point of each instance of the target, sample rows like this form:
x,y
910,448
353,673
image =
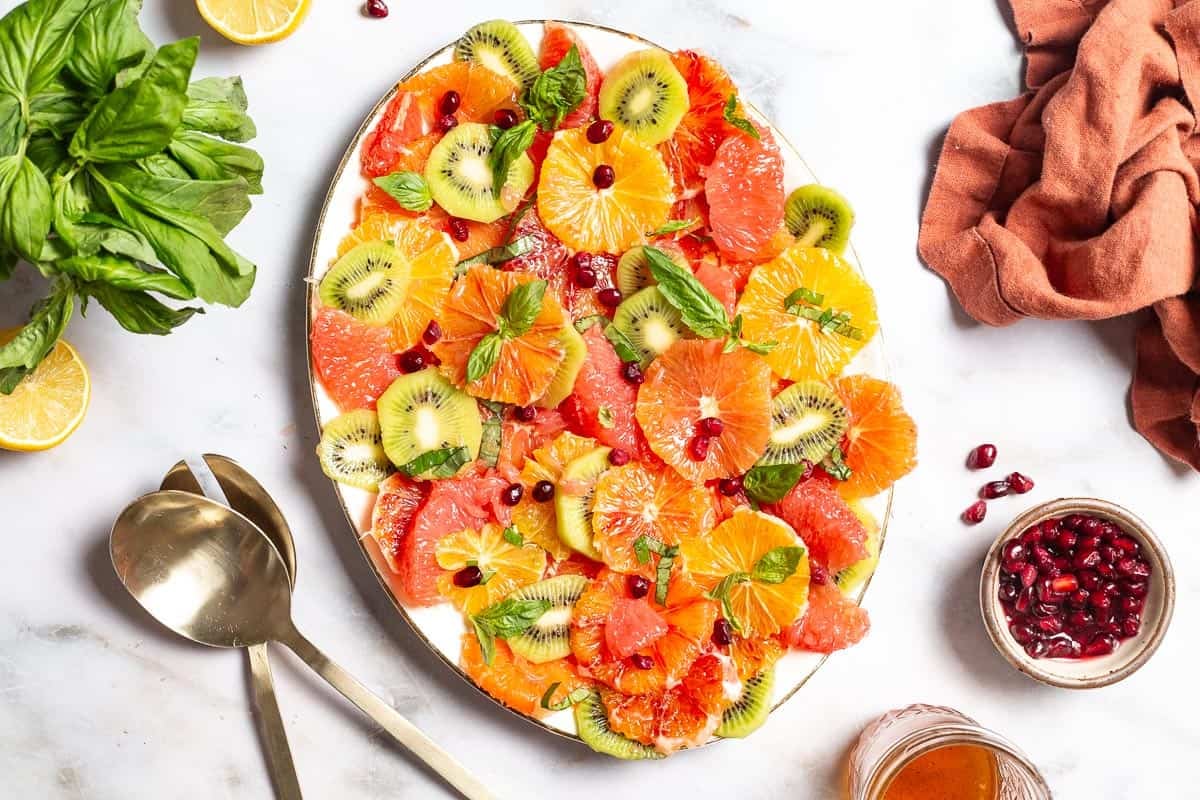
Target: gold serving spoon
x,y
209,574
243,493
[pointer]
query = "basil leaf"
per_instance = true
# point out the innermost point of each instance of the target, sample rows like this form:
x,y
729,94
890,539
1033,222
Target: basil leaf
x,y
556,92
770,484
493,433
836,465
139,119
57,110
507,147
662,575
47,152
12,124
644,545
700,311
521,308
444,463
26,207
218,106
519,215
138,312
574,697
107,41
35,40
497,255
510,617
777,565
161,165
674,226
624,347
487,642
484,356
209,159
123,274
409,189
47,321
721,593
801,297
223,203
513,536
741,123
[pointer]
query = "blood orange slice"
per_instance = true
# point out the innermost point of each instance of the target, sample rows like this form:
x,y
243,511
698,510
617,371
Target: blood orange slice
x,y
557,40
834,534
514,681
881,442
832,622
400,497
353,360
695,380
703,128
744,187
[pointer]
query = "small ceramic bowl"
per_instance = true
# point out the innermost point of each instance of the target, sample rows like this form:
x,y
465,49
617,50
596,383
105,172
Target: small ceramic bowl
x,y
1083,673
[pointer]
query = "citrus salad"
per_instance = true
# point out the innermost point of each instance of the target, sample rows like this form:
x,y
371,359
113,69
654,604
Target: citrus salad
x,y
590,355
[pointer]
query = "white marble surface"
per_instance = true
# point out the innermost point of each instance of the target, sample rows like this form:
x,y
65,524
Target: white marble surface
x,y
96,702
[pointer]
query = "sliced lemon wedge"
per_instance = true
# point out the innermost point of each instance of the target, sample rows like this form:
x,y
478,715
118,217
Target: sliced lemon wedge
x,y
46,407
253,21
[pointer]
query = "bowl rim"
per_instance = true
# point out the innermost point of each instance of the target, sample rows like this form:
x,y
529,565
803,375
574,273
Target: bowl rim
x,y
990,578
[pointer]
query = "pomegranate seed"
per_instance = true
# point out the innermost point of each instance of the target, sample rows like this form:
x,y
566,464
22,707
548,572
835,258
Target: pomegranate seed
x,y
1065,584
1131,605
1133,568
1042,610
1127,545
618,457
1066,540
1086,559
505,118
1028,575
1090,526
1065,648
1037,648
817,574
698,448
722,635
1106,570
585,277
1008,592
411,361
1102,645
641,661
1073,521
543,491
1078,598
1080,619
982,456
447,123
512,494
604,177
1110,554
377,8
710,426
975,513
467,577
525,413
638,586
432,333
1100,601
1024,600
729,486
1019,483
610,297
1046,593
459,229
450,102
1013,552
633,373
1138,589
599,131
1130,627
582,260
1032,535
1050,529
1109,532
1023,632
991,491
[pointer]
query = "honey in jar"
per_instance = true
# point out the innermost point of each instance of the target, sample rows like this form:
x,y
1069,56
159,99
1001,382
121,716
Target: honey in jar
x,y
954,772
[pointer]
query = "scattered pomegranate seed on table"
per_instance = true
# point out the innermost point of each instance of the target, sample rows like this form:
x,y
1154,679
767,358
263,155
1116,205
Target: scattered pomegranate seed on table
x,y
1019,483
982,456
377,8
994,489
975,513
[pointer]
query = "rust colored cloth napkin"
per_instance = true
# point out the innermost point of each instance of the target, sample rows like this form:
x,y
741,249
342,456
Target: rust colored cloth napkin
x,y
1078,199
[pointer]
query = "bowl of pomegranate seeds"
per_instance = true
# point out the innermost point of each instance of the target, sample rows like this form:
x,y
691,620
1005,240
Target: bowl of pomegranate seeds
x,y
1077,593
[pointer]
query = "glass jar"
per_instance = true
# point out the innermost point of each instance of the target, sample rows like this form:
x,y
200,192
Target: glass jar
x,y
892,742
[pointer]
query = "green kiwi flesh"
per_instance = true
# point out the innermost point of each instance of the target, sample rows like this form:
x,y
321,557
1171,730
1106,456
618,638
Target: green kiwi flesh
x,y
549,637
819,217
498,45
564,379
422,412
370,283
633,271
649,322
459,174
351,450
751,709
573,512
591,721
646,95
807,421
851,579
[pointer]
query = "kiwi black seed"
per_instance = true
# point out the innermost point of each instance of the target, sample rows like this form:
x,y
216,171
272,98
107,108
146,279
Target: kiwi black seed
x,y
807,421
573,512
650,323
819,217
645,94
498,45
370,283
351,450
422,412
459,174
549,638
751,709
591,721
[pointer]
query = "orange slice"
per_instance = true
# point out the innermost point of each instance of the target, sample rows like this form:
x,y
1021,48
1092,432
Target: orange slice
x,y
512,680
694,380
609,220
431,258
881,442
536,521
505,567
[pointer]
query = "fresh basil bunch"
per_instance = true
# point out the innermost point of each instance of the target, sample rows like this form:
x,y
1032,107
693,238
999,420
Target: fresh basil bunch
x,y
119,178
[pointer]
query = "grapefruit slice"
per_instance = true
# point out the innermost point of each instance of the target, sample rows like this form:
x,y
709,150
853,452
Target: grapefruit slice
x,y
833,622
744,188
353,360
834,534
603,402
557,40
881,442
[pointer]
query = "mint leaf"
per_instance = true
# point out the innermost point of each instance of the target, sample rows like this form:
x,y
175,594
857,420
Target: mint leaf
x,y
513,536
674,226
836,465
739,122
770,484
483,357
507,147
777,565
497,255
700,311
444,463
574,697
409,189
626,351
556,92
521,308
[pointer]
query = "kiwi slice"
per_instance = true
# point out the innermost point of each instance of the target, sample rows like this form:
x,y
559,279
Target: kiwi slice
x,y
573,512
549,638
591,721
498,45
751,710
633,271
851,579
819,217
646,95
650,323
807,421
564,379
459,174
351,450
422,412
370,283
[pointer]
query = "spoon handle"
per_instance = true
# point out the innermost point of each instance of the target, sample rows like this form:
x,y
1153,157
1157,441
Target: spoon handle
x,y
400,728
279,754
